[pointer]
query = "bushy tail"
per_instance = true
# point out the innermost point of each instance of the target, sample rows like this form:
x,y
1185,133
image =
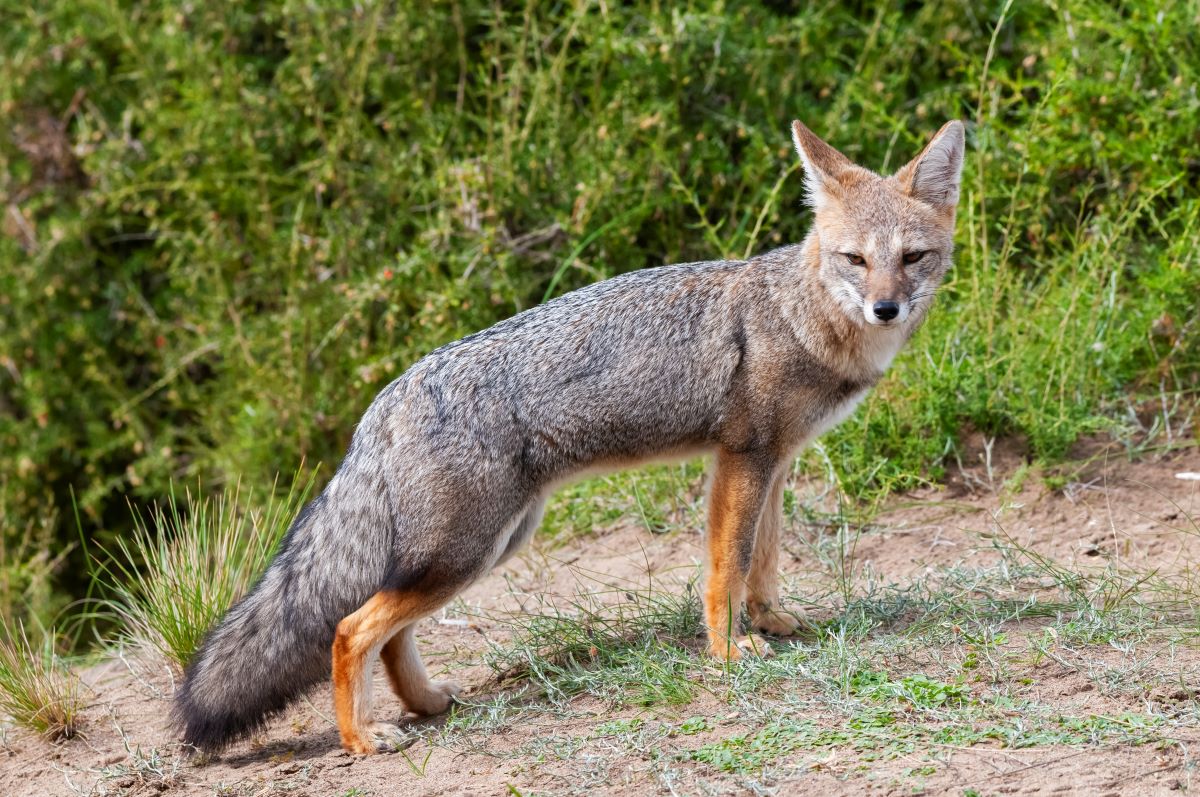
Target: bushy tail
x,y
275,642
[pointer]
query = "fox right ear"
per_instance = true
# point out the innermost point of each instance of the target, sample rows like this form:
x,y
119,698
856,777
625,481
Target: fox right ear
x,y
823,165
934,176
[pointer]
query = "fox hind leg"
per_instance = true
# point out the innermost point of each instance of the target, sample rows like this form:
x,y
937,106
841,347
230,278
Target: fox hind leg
x,y
409,680
762,585
383,626
359,639
402,661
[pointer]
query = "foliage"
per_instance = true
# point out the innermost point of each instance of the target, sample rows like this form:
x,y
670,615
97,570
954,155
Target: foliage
x,y
29,558
226,227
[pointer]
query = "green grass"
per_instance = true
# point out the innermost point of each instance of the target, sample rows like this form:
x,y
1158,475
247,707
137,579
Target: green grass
x,y
906,671
881,734
187,562
659,498
626,646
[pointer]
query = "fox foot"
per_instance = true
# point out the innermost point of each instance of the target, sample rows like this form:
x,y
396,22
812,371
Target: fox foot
x,y
749,645
776,622
435,699
376,738
388,737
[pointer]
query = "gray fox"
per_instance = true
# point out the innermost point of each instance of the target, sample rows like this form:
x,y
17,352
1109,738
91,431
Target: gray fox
x,y
449,469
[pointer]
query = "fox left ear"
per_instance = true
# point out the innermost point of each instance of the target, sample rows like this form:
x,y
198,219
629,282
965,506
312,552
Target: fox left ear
x,y
933,177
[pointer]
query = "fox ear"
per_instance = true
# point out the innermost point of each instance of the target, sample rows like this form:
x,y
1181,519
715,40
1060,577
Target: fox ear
x,y
933,176
823,165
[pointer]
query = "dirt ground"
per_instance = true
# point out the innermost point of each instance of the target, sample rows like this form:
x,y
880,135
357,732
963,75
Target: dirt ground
x,y
1110,513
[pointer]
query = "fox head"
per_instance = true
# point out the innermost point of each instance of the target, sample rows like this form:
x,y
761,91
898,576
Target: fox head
x,y
884,242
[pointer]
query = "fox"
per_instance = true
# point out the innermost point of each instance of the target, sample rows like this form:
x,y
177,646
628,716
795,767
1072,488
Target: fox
x,y
448,471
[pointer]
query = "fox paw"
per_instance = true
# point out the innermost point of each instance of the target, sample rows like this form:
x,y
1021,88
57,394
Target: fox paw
x,y
776,622
388,737
750,645
383,730
378,737
370,740
434,700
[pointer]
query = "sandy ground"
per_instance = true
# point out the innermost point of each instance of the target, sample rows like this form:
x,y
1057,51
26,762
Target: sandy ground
x,y
1111,512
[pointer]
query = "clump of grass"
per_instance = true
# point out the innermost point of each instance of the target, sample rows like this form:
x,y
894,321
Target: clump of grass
x,y
36,691
187,562
630,650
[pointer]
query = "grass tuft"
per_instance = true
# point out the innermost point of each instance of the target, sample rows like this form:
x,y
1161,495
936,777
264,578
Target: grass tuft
x,y
185,565
36,690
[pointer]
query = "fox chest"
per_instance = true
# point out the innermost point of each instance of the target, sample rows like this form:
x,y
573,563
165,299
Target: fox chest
x,y
816,409
794,416
831,412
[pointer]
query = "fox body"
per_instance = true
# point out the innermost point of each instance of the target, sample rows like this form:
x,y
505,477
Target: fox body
x,y
450,466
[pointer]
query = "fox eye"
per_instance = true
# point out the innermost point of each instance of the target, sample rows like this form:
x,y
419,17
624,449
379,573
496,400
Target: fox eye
x,y
913,257
855,259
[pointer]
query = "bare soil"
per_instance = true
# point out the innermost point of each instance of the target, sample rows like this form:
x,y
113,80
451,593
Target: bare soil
x,y
1111,513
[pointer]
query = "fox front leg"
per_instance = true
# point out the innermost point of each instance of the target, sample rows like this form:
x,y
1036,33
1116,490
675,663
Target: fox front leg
x,y
762,587
739,490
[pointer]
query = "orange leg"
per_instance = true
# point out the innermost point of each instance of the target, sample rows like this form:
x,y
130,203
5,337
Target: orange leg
x,y
762,585
359,639
409,680
739,488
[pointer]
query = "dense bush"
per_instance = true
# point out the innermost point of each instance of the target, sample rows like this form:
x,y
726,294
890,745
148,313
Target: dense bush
x,y
228,225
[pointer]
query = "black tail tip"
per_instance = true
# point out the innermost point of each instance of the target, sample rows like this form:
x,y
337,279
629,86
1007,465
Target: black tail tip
x,y
207,730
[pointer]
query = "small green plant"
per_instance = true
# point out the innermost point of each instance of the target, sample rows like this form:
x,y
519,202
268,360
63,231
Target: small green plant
x,y
693,725
746,753
36,690
185,565
147,770
918,689
619,727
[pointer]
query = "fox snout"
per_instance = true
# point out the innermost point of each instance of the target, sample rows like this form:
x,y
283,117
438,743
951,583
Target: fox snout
x,y
886,295
885,311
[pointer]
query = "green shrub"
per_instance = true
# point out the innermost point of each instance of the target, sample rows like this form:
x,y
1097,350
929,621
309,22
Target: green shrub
x,y
226,227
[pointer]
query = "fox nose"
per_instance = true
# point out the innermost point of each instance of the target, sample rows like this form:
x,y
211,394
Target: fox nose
x,y
886,311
